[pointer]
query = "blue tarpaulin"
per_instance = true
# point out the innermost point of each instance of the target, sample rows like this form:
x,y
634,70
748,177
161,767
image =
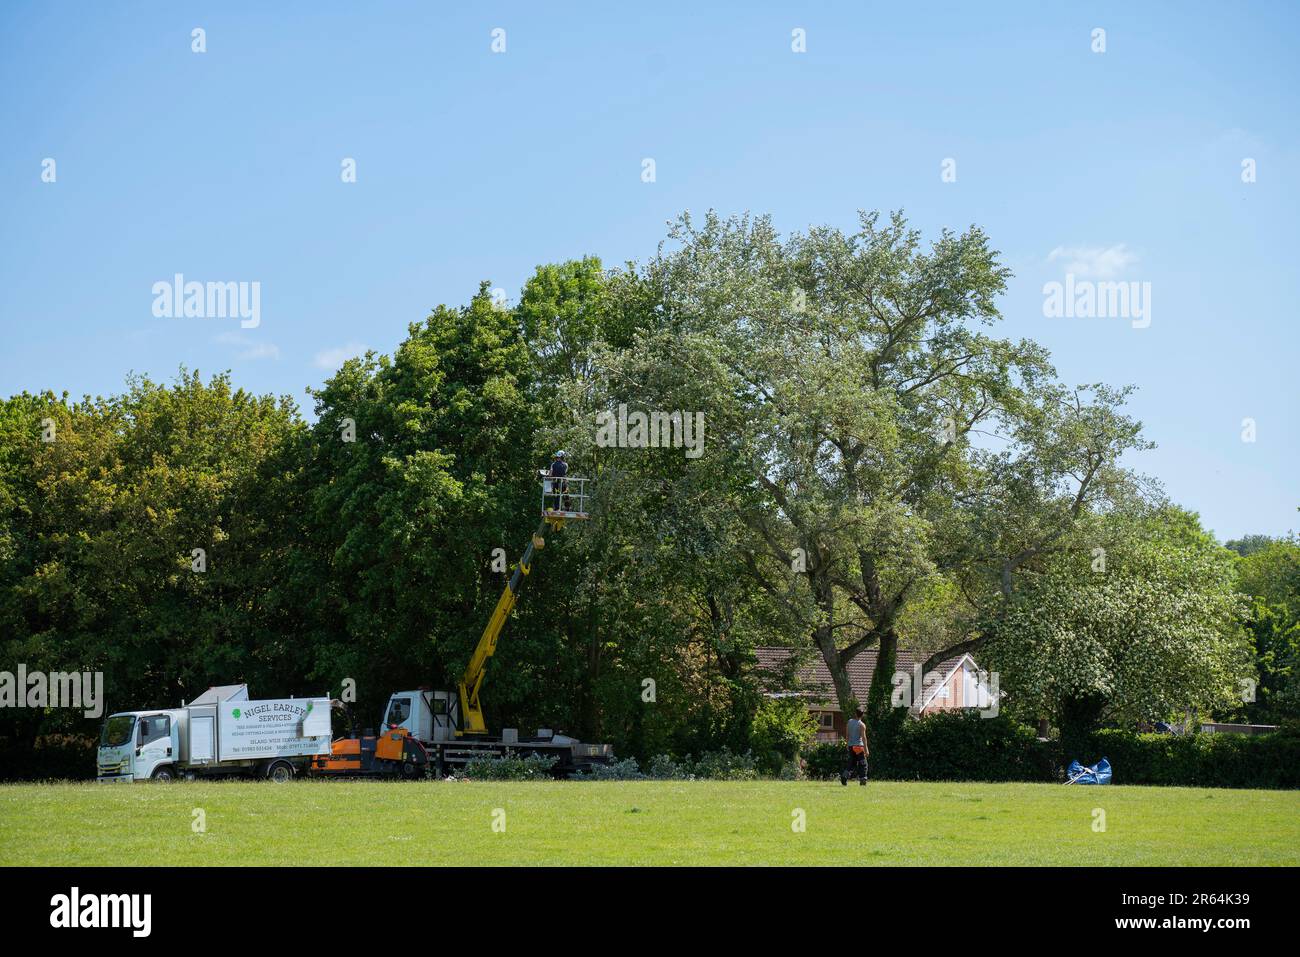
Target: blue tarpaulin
x,y
1099,773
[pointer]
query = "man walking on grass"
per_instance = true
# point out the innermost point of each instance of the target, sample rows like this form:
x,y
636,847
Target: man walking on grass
x,y
856,763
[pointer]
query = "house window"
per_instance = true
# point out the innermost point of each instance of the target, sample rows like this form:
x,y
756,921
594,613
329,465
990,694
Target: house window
x,y
826,720
943,693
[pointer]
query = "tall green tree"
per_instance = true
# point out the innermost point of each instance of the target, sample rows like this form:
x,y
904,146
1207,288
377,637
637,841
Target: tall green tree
x,y
867,432
1269,577
655,619
417,467
139,539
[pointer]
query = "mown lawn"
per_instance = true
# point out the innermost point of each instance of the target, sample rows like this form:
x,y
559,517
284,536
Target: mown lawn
x,y
642,822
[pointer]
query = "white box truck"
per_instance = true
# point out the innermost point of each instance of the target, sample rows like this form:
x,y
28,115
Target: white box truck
x,y
221,732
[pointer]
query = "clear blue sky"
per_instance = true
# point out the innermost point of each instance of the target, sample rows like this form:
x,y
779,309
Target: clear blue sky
x,y
472,165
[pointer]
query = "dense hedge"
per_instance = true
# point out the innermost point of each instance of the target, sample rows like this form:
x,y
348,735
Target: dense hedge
x,y
962,746
55,756
823,760
1201,760
965,746
954,746
949,746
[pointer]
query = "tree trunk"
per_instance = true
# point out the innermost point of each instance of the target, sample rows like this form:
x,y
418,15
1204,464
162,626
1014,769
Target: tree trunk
x,y
824,636
879,703
839,674
590,708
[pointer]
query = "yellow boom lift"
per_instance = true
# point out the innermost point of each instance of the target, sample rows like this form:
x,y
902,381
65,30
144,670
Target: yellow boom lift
x,y
439,731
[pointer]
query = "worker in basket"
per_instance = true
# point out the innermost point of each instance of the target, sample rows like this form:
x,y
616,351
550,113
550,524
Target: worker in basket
x,y
557,484
855,764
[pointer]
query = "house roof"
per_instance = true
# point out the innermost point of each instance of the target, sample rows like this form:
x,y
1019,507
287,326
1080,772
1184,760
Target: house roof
x,y
814,678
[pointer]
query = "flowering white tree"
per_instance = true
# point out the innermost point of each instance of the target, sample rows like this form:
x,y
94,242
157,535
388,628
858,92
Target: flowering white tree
x,y
1152,632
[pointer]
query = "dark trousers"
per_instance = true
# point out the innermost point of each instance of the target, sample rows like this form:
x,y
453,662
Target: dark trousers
x,y
855,766
560,489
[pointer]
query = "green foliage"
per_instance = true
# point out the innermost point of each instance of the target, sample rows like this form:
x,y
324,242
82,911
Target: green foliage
x,y
564,310
664,768
843,376
1200,760
961,745
824,760
840,504
1269,574
966,745
624,770
721,765
724,765
1154,632
651,588
98,539
511,766
399,525
781,727
1249,544
68,757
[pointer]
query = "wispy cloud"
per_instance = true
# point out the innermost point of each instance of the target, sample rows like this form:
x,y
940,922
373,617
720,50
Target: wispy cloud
x,y
333,358
1099,262
248,348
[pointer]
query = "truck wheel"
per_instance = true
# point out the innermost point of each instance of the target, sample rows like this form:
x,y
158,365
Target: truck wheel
x,y
279,772
164,774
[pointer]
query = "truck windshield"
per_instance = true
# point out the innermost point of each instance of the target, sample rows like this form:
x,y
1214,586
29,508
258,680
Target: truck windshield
x,y
399,709
117,730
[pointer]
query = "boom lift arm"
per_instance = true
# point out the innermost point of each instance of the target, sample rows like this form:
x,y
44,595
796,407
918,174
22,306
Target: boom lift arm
x,y
470,709
415,742
563,498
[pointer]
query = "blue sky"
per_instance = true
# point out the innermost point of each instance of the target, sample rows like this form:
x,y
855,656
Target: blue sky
x,y
225,165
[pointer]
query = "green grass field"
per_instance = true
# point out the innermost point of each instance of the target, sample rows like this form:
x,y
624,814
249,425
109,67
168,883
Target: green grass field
x,y
642,822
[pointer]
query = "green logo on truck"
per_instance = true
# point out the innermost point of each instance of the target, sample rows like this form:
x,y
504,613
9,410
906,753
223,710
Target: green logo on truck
x,y
235,713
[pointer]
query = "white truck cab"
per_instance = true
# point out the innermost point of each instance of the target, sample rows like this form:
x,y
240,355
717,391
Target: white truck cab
x,y
427,715
139,746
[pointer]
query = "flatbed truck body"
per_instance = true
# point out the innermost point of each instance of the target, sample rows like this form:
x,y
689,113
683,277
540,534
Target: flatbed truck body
x,y
429,721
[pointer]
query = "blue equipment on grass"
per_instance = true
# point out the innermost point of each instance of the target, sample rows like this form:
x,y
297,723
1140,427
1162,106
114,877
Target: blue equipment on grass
x,y
1097,774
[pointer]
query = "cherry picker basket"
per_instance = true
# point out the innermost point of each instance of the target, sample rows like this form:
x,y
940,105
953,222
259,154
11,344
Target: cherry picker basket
x,y
565,497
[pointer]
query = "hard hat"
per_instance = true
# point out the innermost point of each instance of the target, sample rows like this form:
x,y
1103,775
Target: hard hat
x,y
561,454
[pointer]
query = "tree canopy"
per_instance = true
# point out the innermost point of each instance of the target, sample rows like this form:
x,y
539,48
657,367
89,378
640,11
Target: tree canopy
x,y
874,468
